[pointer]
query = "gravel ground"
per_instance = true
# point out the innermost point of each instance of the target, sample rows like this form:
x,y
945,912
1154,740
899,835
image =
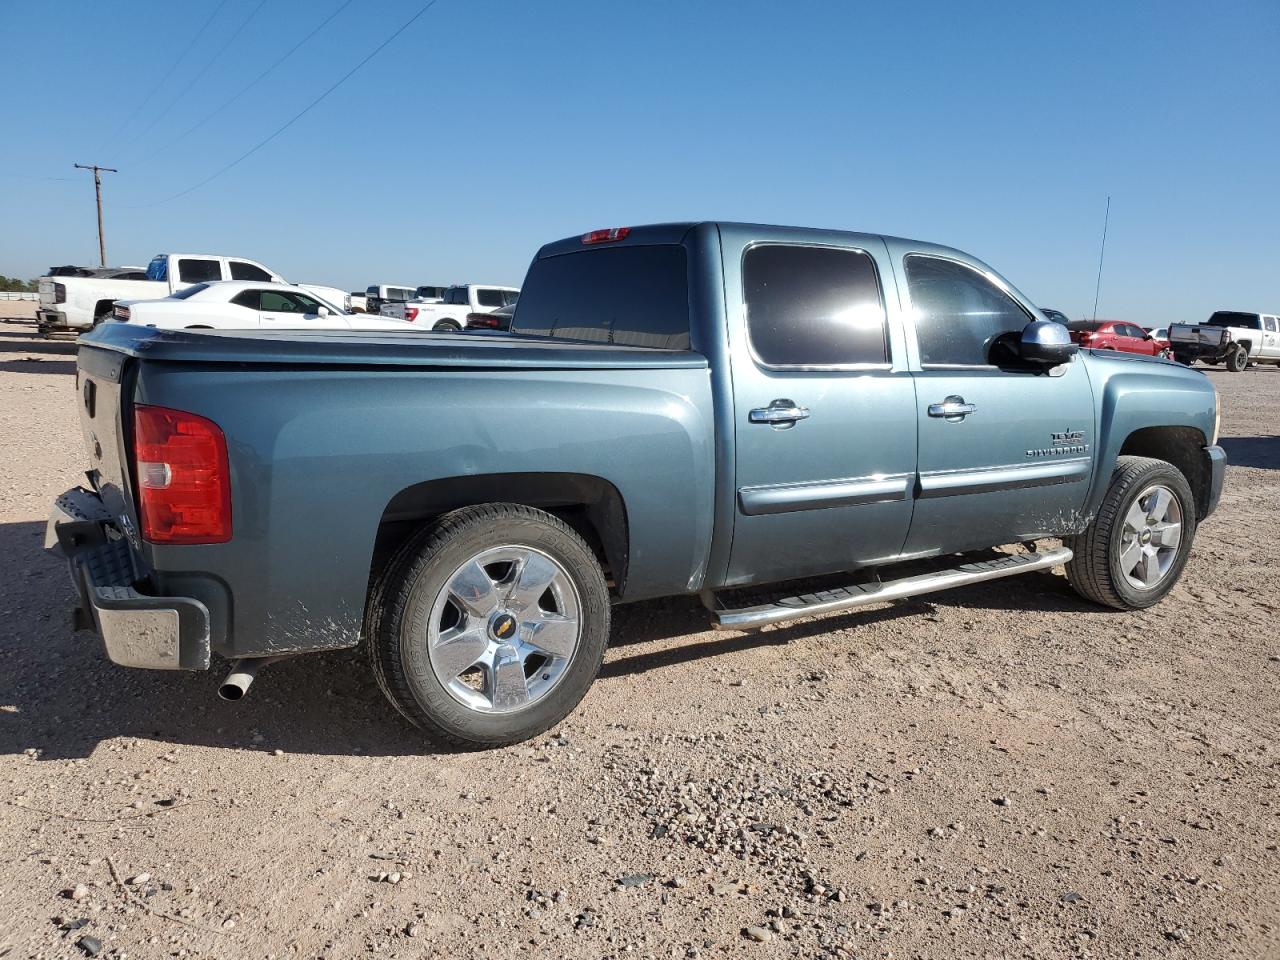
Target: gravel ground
x,y
1001,771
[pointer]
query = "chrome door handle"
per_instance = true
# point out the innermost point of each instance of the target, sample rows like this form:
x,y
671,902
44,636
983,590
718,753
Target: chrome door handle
x,y
779,412
953,409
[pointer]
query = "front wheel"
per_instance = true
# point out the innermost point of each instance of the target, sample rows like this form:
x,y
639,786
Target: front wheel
x,y
1134,551
488,628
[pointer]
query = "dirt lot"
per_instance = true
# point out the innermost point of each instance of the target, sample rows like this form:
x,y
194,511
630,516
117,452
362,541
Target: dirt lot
x,y
1003,771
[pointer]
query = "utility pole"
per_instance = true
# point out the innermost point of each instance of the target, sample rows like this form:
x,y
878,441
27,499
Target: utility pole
x,y
97,189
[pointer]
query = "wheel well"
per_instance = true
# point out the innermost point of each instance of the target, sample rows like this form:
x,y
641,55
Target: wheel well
x,y
590,505
1181,446
101,307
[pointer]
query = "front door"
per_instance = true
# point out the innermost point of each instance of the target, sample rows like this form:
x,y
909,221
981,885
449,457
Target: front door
x,y
1006,449
286,310
824,405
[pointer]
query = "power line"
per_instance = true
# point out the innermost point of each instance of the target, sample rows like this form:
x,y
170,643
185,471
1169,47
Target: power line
x,y
167,74
301,113
247,87
202,71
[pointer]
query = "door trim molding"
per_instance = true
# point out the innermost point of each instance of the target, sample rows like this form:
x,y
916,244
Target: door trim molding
x,y
823,494
953,483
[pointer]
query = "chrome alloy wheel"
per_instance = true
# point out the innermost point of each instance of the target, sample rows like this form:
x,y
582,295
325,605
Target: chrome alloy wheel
x,y
1150,537
504,629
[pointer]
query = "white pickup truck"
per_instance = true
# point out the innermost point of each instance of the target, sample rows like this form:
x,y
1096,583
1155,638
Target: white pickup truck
x,y
450,312
1233,337
76,303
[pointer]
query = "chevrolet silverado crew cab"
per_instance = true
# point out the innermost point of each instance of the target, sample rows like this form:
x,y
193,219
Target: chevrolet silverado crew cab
x,y
81,302
1229,336
712,409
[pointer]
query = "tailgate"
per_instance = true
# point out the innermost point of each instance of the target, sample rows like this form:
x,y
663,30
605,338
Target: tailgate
x,y
102,378
1190,333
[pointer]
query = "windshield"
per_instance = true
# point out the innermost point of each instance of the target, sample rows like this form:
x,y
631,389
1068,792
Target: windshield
x,y
189,292
1230,318
158,269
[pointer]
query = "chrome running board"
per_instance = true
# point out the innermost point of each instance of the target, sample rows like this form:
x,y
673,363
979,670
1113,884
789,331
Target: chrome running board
x,y
861,595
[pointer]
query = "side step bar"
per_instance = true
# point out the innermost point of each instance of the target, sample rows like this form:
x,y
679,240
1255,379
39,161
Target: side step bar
x,y
861,595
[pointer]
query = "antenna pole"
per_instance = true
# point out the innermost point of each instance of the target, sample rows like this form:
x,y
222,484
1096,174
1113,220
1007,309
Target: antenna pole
x,y
1101,255
97,189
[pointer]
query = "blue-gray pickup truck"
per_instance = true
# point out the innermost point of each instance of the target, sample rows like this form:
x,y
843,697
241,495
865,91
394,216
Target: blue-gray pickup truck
x,y
710,409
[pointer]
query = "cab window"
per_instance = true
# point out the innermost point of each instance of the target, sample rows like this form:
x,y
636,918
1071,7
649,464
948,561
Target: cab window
x,y
958,313
248,271
489,298
199,271
813,306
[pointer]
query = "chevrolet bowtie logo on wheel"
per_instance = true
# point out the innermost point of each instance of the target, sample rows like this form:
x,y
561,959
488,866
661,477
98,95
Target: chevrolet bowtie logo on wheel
x,y
503,626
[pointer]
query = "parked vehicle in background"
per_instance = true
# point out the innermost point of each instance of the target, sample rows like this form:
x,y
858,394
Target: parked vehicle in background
x,y
408,310
451,312
359,303
247,305
1232,337
105,273
681,409
500,319
1159,333
381,294
78,302
1116,335
1057,316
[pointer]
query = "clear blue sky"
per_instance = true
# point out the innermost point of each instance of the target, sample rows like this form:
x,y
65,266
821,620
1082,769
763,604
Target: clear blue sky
x,y
492,126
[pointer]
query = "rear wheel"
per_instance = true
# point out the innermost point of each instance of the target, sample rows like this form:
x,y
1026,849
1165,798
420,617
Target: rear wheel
x,y
1237,360
490,626
1134,551
447,325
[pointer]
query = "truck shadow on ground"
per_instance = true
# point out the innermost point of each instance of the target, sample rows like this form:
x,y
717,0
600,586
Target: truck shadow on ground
x,y
25,351
61,697
1261,452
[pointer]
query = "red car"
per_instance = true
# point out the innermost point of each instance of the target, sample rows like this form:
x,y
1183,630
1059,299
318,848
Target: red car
x,y
1117,335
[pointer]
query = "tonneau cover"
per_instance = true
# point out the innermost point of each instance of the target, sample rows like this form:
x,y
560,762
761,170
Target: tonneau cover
x,y
353,348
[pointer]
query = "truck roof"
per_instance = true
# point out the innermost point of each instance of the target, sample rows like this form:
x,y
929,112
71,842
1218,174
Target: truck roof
x,y
659,233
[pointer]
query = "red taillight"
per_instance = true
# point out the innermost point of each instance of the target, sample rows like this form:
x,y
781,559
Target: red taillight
x,y
184,483
411,313
482,320
606,236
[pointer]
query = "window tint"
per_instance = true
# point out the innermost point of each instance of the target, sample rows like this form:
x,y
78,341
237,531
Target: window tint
x,y
510,297
487,297
371,292
199,271
958,312
158,269
1270,323
1132,330
455,296
813,306
248,298
248,271
631,296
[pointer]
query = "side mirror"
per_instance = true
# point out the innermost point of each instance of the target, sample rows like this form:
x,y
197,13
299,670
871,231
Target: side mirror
x,y
1046,342
322,311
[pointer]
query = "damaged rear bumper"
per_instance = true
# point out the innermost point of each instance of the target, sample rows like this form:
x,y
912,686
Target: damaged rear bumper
x,y
137,628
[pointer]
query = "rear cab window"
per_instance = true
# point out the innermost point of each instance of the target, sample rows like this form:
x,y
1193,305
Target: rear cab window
x,y
1232,318
636,296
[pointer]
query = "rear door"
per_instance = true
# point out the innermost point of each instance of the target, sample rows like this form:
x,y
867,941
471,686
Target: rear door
x,y
1006,449
1271,338
824,404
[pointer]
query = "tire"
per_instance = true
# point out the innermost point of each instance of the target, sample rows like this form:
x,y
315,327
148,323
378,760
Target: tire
x,y
414,607
1238,360
451,326
101,319
1097,571
1185,360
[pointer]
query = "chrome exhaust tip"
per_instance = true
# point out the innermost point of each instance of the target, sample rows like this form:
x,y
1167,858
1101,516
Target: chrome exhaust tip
x,y
241,677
